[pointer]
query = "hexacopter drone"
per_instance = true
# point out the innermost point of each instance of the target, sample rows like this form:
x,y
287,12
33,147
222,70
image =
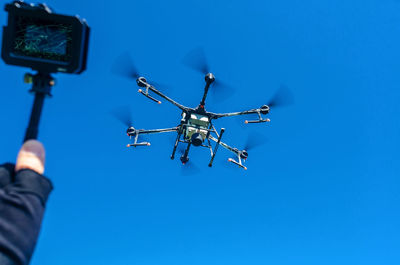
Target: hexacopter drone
x,y
195,127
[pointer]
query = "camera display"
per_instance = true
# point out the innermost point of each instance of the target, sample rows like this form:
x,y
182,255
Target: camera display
x,y
37,38
43,39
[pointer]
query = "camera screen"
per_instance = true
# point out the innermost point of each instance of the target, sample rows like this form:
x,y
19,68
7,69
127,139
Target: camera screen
x,y
42,39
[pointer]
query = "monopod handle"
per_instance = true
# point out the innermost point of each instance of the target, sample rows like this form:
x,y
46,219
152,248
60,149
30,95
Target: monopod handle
x,y
33,127
41,86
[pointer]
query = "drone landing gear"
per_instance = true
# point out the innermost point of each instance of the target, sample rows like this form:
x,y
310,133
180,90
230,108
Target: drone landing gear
x,y
139,144
184,157
260,119
146,94
176,143
242,156
216,147
135,143
142,82
237,163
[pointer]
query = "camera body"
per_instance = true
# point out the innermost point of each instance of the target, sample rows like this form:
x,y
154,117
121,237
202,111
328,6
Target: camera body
x,y
37,38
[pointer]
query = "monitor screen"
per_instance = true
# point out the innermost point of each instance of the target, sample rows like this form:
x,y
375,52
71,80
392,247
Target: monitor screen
x,y
42,39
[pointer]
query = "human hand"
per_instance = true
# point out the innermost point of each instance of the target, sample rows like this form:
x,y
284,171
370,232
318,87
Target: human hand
x,y
31,156
23,195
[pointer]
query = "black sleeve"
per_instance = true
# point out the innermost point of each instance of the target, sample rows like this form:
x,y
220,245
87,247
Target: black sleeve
x,y
23,196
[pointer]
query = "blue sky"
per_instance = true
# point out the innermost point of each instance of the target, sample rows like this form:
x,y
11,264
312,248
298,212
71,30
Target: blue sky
x,y
324,189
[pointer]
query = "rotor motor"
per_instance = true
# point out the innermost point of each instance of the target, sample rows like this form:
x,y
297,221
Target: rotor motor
x,y
210,78
141,82
131,131
264,109
244,154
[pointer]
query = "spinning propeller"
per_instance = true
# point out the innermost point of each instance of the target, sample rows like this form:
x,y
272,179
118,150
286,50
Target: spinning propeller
x,y
282,97
197,61
254,139
123,114
125,67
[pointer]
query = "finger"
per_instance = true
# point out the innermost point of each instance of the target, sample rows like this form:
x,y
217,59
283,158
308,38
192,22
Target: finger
x,y
6,174
31,156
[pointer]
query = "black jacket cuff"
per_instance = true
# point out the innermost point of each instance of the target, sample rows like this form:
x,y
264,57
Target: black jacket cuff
x,y
29,181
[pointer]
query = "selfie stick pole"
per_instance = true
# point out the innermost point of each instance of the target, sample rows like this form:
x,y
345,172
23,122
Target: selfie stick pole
x,y
41,86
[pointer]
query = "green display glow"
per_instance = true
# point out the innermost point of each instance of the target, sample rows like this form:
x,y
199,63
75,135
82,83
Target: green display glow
x,y
44,40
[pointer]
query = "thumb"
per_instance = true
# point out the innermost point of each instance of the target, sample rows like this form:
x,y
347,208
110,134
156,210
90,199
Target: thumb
x,y
31,156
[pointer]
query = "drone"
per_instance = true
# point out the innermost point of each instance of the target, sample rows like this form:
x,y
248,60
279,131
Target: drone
x,y
196,128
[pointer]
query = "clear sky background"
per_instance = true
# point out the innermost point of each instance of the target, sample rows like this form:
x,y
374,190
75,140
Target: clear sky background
x,y
324,188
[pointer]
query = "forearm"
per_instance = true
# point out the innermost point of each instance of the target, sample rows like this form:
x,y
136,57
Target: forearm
x,y
22,204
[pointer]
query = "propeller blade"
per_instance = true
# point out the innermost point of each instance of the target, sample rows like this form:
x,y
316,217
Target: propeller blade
x,y
181,148
123,114
196,60
125,67
254,139
221,91
282,97
189,169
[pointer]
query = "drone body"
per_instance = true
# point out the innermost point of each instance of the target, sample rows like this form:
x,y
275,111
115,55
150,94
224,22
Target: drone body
x,y
195,128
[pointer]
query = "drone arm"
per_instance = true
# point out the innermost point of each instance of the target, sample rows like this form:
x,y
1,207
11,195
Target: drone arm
x,y
246,112
136,135
176,142
152,88
224,145
142,82
174,129
216,147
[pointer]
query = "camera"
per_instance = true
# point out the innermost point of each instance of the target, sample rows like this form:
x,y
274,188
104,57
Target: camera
x,y
37,38
47,42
